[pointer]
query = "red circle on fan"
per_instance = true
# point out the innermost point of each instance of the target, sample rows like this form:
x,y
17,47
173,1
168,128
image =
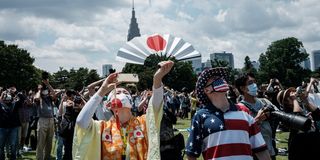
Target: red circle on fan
x,y
107,137
138,133
156,43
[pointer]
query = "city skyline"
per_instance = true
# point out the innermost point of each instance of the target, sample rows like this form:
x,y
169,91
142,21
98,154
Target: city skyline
x,y
88,34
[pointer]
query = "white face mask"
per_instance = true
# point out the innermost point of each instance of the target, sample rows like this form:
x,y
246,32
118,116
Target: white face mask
x,y
253,89
122,100
8,97
45,92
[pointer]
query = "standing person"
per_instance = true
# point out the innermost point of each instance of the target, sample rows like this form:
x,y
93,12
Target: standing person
x,y
24,107
72,110
220,130
313,92
9,124
246,84
184,103
194,103
125,136
45,130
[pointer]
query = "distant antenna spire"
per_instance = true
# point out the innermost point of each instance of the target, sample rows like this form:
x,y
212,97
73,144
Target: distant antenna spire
x,y
134,30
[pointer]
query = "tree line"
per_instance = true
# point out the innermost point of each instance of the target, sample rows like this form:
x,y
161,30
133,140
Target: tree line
x,y
281,60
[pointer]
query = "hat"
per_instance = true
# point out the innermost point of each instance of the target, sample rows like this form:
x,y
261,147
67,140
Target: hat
x,y
284,94
203,79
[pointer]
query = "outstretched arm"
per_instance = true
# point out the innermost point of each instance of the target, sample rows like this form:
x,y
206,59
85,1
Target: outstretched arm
x,y
90,107
157,94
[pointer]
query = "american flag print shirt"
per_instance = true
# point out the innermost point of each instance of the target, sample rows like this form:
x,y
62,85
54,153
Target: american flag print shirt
x,y
224,135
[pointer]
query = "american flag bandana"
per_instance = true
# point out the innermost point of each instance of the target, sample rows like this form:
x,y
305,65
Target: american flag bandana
x,y
220,85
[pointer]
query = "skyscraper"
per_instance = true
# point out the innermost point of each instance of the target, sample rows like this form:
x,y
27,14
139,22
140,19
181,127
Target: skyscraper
x,y
228,57
134,30
315,60
196,65
105,69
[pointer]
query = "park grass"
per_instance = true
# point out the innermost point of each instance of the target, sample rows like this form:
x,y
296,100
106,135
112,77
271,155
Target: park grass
x,y
183,124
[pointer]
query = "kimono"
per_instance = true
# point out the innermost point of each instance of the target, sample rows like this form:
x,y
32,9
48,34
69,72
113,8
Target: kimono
x,y
103,141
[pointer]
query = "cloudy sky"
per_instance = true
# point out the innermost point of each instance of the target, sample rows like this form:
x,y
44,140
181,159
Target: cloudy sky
x,y
75,33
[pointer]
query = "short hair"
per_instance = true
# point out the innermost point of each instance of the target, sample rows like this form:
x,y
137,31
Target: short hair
x,y
242,81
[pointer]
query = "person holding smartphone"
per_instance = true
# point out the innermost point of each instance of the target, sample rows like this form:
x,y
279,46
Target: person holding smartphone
x,y
123,136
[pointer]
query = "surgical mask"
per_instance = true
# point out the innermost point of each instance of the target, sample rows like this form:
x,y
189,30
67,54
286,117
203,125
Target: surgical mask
x,y
45,92
253,89
8,97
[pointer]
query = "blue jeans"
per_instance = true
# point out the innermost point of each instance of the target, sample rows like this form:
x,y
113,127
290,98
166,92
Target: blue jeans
x,y
59,147
8,136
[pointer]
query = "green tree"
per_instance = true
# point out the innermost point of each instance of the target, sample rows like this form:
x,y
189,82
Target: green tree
x,y
180,76
17,68
219,63
232,72
281,61
248,67
74,79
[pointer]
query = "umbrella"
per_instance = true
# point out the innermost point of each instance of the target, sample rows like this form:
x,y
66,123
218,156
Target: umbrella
x,y
166,45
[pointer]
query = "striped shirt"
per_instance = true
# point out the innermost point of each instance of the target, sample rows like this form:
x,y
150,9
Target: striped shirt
x,y
223,136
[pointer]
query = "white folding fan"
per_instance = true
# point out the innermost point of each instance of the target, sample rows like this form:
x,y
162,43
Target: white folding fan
x,y
139,48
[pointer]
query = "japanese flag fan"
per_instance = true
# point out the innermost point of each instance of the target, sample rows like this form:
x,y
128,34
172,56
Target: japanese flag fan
x,y
166,45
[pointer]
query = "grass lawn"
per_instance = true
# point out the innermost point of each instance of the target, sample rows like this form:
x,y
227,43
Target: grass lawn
x,y
183,124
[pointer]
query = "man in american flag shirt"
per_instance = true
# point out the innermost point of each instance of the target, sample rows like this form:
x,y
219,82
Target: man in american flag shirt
x,y
220,130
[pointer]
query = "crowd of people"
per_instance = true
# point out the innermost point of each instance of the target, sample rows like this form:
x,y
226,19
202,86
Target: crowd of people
x,y
110,120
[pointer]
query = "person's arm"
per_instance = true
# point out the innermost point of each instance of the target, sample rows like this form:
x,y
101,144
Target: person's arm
x,y
269,88
263,155
280,85
37,96
296,106
143,102
157,94
60,110
85,115
312,80
92,86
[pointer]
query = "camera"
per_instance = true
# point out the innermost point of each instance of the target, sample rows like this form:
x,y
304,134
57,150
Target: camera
x,y
291,120
77,99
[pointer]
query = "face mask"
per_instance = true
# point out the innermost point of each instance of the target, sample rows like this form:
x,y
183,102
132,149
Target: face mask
x,y
121,100
253,89
220,85
8,98
45,92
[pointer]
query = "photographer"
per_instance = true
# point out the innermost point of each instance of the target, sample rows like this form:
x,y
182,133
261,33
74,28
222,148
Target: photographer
x,y
301,143
313,92
73,104
9,123
44,100
246,84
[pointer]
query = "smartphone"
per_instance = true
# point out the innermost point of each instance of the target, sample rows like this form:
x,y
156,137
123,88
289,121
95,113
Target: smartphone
x,y
128,77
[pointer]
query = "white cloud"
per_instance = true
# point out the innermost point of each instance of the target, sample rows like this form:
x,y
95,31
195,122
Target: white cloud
x,y
89,33
185,16
221,16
